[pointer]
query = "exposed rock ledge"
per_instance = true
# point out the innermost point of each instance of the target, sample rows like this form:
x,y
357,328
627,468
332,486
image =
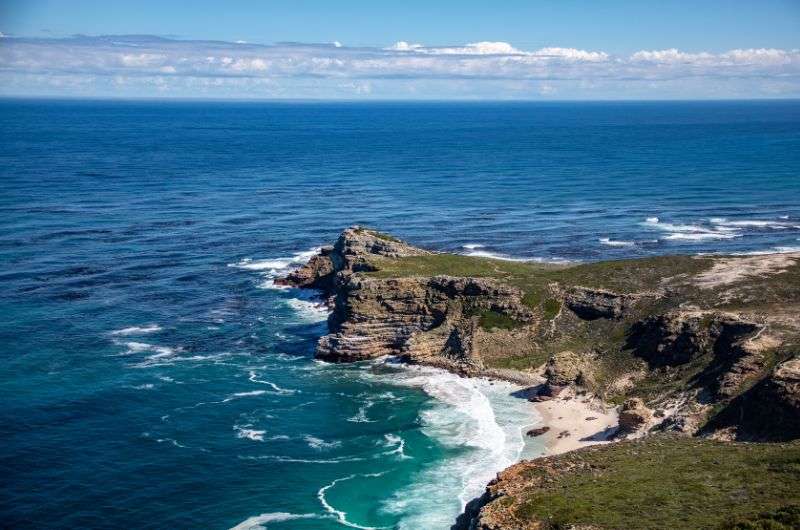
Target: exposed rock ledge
x,y
684,352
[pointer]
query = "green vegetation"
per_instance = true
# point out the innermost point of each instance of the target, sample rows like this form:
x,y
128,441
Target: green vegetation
x,y
379,235
533,279
784,518
666,482
550,308
490,320
607,339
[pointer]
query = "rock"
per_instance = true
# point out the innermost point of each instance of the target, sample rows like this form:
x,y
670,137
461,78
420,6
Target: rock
x,y
633,416
564,434
591,418
591,304
533,433
563,369
770,411
318,273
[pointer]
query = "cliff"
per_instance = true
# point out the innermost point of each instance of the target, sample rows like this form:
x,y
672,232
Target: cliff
x,y
695,345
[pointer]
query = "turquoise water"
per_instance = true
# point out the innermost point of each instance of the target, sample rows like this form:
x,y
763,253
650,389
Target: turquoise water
x,y
155,377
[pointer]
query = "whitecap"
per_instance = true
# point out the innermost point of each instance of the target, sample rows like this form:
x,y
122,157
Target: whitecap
x,y
340,515
272,268
239,395
257,522
361,415
318,444
479,421
137,330
254,378
293,460
309,311
615,243
472,246
245,432
749,223
700,236
691,232
146,386
505,257
140,347
397,445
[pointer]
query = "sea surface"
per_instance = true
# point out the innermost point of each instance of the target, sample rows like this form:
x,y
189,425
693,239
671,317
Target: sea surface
x,y
153,376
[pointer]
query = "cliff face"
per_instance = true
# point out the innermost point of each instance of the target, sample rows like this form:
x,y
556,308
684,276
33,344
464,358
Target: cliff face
x,y
693,345
696,340
430,319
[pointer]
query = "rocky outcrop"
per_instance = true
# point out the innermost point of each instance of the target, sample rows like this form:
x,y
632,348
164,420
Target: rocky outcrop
x,y
633,416
424,319
681,348
318,273
431,319
770,410
350,253
591,304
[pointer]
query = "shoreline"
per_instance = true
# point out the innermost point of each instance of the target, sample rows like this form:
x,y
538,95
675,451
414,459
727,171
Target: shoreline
x,y
575,420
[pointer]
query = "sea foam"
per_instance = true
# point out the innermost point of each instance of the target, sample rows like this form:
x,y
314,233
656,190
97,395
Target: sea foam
x,y
480,424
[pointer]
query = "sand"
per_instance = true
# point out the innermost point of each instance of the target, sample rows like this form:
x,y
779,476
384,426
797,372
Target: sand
x,y
575,421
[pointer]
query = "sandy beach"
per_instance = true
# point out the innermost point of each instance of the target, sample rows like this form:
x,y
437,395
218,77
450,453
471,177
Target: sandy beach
x,y
575,421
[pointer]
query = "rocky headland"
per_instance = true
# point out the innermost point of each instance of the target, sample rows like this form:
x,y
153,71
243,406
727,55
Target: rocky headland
x,y
691,354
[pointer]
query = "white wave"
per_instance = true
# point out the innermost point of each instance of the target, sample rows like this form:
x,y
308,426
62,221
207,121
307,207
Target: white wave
x,y
257,522
491,255
361,415
339,514
481,424
146,386
272,268
505,257
615,243
254,378
319,444
691,232
773,250
292,460
140,347
701,236
472,246
749,223
137,330
244,431
239,395
309,311
269,283
398,445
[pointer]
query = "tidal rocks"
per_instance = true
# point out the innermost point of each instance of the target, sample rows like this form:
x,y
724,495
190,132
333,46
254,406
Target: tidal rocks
x,y
318,273
538,431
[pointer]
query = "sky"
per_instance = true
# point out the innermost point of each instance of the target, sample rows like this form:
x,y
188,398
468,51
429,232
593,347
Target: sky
x,y
356,49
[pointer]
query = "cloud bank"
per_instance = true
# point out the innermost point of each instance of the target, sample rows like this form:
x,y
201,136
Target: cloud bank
x,y
153,66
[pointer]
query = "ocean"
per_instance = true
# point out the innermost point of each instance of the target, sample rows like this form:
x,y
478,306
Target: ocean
x,y
153,374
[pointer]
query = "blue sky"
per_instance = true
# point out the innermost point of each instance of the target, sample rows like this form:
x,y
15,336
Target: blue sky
x,y
409,50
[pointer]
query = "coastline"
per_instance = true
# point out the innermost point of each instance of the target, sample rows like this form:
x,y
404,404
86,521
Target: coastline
x,y
575,421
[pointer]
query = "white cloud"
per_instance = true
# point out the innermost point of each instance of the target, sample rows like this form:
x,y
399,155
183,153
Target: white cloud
x,y
488,67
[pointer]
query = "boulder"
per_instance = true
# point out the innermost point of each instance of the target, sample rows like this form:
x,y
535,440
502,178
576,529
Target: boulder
x,y
633,416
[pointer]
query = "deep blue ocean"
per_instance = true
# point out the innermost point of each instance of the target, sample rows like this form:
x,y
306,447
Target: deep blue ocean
x,y
154,377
